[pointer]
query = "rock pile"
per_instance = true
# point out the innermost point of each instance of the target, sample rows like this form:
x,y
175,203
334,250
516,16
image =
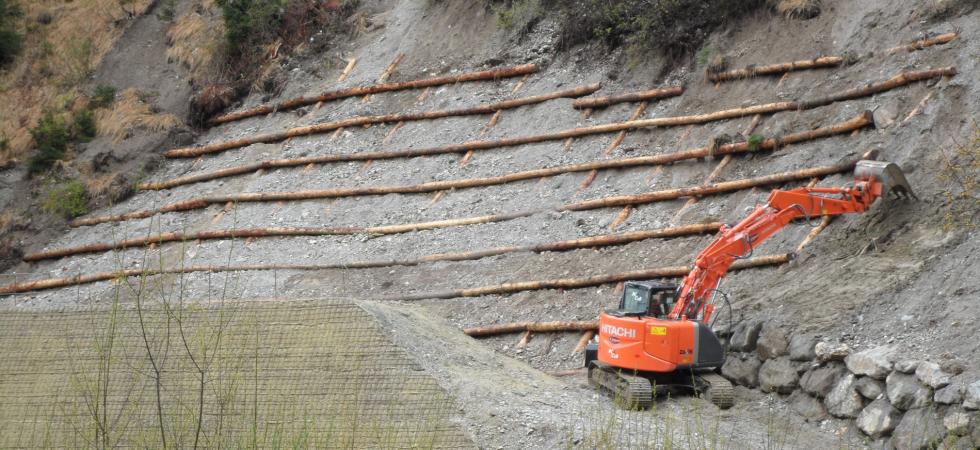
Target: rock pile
x,y
898,403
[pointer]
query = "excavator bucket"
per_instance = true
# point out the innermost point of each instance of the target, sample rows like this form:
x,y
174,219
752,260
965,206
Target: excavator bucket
x,y
888,174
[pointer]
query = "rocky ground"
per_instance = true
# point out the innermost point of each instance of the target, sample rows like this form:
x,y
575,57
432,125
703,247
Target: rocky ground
x,y
899,275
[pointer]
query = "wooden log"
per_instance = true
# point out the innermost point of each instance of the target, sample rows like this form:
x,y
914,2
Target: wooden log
x,y
536,327
858,122
923,43
558,246
632,97
775,69
583,341
899,80
489,108
482,75
577,283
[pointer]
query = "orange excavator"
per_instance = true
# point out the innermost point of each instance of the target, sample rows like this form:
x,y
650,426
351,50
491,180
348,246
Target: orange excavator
x,y
660,337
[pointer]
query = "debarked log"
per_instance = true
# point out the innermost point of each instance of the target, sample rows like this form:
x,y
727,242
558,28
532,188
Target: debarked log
x,y
578,283
494,74
558,246
536,327
775,69
652,94
925,43
488,108
860,121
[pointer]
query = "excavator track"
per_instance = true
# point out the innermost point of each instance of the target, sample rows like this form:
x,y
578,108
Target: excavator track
x,y
631,391
717,390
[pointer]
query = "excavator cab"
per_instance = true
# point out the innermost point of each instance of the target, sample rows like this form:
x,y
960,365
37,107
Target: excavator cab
x,y
646,299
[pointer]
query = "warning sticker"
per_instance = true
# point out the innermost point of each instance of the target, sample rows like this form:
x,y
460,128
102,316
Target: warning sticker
x,y
658,331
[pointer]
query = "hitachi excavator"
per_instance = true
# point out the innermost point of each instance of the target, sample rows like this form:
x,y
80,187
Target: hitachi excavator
x,y
660,337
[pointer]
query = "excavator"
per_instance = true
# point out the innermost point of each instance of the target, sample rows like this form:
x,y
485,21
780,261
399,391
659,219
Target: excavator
x,y
660,338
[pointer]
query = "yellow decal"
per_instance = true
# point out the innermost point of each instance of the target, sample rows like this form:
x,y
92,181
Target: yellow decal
x,y
658,331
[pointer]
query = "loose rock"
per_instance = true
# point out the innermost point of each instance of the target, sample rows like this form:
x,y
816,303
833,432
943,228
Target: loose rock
x,y
821,380
844,401
869,388
957,422
831,352
905,392
971,398
772,343
907,365
919,429
801,347
875,362
742,371
746,335
878,418
778,375
950,395
810,408
931,375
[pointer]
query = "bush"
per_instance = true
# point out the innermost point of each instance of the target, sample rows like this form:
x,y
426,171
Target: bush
x,y
68,200
249,22
104,96
84,126
51,136
10,40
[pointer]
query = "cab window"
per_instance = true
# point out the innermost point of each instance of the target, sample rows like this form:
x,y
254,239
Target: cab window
x,y
636,300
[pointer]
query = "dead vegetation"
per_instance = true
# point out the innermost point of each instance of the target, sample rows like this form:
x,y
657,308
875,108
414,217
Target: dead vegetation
x,y
131,112
796,9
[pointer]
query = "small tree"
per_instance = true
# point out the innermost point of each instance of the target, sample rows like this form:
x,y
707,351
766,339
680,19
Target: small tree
x,y
51,137
10,40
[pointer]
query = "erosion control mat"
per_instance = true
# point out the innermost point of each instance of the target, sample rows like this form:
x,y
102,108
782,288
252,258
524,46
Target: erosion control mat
x,y
291,374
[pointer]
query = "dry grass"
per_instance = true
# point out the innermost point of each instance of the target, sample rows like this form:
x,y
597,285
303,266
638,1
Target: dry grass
x,y
131,112
196,39
56,57
797,9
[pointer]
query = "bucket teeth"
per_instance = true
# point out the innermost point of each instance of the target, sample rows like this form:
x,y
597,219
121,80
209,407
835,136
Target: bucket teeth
x,y
888,174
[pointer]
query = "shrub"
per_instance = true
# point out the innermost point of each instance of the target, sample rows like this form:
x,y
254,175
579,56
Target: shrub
x,y
84,125
68,200
51,136
248,22
10,40
104,96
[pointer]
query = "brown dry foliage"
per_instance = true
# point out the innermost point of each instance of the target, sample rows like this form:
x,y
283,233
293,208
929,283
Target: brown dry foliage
x,y
196,40
55,58
131,112
797,9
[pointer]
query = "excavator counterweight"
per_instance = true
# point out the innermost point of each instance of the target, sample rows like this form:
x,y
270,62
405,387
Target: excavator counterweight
x,y
660,338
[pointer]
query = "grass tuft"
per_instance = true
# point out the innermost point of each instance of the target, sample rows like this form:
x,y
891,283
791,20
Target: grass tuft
x,y
68,200
132,112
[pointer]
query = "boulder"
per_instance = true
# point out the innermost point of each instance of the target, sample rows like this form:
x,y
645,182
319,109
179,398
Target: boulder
x,y
810,408
971,398
778,375
874,362
843,400
905,391
831,352
920,429
878,418
907,365
950,395
772,343
801,347
931,375
742,371
869,388
746,335
957,422
819,381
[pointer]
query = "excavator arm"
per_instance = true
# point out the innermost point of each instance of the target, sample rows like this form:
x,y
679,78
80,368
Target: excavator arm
x,y
873,179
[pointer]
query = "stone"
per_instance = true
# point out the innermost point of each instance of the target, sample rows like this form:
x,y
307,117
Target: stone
x,y
957,422
742,371
778,375
843,400
879,418
810,408
920,429
869,388
801,347
746,335
971,398
819,381
905,391
874,362
950,395
952,367
831,352
772,343
907,365
931,375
